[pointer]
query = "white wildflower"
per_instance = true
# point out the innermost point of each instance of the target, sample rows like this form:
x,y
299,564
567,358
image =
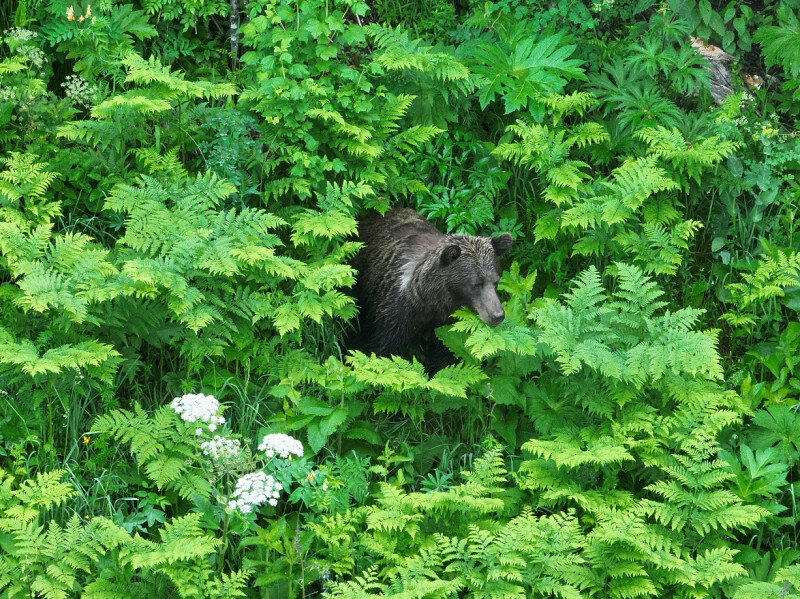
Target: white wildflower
x,y
194,407
33,55
221,448
281,445
254,489
26,50
602,5
20,34
77,89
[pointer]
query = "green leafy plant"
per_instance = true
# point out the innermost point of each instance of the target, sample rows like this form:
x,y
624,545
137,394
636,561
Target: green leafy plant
x,y
180,190
98,557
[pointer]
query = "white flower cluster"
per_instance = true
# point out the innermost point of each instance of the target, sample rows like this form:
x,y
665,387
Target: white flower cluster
x,y
33,55
602,4
221,448
281,445
196,406
254,489
77,89
20,34
27,51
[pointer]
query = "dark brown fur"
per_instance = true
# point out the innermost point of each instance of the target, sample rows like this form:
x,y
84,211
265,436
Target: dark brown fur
x,y
413,277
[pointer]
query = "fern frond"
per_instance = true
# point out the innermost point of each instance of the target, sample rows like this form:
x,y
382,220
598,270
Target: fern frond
x,y
687,157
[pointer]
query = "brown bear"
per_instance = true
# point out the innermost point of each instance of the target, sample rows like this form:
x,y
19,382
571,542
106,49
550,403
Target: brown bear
x,y
412,277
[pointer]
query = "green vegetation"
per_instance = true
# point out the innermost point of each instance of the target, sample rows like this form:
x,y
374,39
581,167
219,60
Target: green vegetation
x,y
180,184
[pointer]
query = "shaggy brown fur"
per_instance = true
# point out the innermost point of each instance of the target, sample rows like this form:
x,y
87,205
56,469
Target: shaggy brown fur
x,y
413,277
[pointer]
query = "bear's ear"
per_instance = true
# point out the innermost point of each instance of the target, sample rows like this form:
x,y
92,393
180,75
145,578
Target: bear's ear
x,y
502,244
450,254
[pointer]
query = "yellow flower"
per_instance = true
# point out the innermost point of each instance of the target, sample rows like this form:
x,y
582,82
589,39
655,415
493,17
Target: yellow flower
x,y
70,14
87,516
80,19
85,440
88,10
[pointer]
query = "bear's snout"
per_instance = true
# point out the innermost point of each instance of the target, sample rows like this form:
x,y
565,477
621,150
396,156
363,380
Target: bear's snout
x,y
489,309
498,317
495,318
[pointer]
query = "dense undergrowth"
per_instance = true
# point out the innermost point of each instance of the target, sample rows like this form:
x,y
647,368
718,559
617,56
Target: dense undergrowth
x,y
179,190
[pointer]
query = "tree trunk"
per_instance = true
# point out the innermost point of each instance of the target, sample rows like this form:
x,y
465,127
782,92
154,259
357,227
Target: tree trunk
x,y
234,33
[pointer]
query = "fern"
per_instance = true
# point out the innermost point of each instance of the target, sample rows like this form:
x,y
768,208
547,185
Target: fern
x,y
99,359
65,273
633,211
537,554
23,186
575,452
636,397
775,271
692,499
181,540
609,338
398,52
178,241
435,77
631,185
159,447
398,375
310,225
691,158
658,248
543,148
99,558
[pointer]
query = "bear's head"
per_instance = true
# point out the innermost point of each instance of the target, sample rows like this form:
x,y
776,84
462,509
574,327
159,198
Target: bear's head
x,y
470,268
